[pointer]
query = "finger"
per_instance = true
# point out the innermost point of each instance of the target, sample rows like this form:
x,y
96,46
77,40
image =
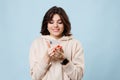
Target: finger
x,y
59,51
59,46
52,54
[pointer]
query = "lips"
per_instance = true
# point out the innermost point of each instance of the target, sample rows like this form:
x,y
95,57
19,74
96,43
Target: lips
x,y
55,30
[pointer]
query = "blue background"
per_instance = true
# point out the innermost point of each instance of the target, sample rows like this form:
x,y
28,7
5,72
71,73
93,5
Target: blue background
x,y
96,23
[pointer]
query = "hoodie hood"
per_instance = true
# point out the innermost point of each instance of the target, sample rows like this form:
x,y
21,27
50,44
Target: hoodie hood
x,y
64,38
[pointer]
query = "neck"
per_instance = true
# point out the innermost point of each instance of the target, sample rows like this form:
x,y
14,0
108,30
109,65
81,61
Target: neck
x,y
56,37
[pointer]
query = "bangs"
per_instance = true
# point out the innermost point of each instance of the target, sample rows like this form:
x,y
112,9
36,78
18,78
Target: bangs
x,y
50,17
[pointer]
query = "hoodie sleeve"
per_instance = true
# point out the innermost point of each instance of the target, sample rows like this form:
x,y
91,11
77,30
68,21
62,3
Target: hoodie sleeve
x,y
75,68
37,68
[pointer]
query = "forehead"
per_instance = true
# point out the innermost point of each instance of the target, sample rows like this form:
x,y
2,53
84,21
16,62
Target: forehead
x,y
56,17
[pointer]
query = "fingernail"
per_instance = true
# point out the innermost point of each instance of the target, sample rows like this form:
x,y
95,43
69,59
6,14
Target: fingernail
x,y
58,46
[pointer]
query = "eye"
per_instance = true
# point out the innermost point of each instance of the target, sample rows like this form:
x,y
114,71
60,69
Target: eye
x,y
51,22
60,22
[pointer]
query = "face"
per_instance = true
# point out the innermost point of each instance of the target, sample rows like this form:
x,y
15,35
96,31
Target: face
x,y
56,27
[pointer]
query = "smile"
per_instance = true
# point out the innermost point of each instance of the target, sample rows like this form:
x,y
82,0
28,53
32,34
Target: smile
x,y
55,30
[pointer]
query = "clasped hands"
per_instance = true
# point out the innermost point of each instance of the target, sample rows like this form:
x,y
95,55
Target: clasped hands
x,y
55,52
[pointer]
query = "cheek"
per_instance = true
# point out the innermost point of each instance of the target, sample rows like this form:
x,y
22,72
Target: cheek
x,y
62,28
48,27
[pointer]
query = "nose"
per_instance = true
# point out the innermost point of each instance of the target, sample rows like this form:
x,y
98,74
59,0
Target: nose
x,y
55,25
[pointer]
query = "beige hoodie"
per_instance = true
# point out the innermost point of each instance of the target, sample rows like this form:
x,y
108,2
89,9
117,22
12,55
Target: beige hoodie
x,y
55,71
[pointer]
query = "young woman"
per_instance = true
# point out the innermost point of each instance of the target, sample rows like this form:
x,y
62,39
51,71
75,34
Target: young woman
x,y
56,55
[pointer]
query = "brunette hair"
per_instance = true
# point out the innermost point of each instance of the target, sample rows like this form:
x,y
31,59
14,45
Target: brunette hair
x,y
48,17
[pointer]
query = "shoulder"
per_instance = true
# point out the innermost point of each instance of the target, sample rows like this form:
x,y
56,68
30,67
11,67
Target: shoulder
x,y
76,42
37,40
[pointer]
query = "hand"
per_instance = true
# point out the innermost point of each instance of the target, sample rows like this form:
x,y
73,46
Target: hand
x,y
57,53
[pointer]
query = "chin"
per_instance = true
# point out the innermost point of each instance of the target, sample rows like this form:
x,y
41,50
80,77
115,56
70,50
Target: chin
x,y
56,35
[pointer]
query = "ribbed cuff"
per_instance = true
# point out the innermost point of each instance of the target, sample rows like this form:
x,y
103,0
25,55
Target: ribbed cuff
x,y
68,68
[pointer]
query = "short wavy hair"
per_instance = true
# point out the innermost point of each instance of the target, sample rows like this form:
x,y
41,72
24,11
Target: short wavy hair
x,y
48,17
